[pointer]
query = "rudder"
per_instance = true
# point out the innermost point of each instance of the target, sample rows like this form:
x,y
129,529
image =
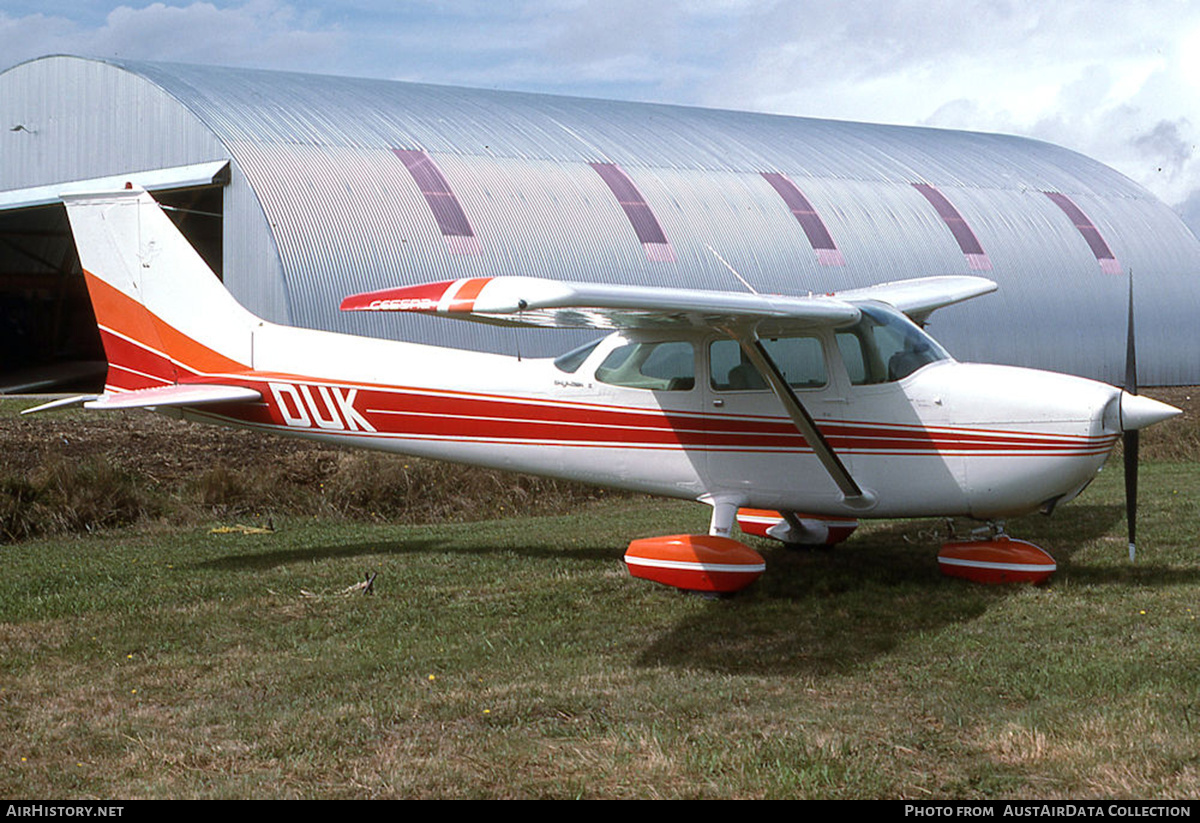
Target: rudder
x,y
163,315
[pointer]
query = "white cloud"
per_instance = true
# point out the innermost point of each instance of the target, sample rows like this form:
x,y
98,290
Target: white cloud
x,y
263,33
1114,79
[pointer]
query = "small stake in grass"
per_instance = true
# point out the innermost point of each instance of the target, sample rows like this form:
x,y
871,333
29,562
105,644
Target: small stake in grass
x,y
367,586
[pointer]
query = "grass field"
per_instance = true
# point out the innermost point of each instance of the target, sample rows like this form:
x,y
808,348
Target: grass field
x,y
517,658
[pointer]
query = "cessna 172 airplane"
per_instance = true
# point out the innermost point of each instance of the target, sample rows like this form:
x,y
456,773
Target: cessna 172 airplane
x,y
791,416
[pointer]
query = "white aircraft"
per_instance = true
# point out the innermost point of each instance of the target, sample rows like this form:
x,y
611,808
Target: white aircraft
x,y
793,416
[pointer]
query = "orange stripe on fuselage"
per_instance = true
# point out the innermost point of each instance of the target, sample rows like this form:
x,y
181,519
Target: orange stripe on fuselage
x,y
123,315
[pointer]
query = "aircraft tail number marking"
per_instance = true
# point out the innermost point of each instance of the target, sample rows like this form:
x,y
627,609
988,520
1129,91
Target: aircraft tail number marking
x,y
325,407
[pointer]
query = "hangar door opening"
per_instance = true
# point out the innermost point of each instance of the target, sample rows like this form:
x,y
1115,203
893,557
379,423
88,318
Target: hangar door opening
x,y
48,336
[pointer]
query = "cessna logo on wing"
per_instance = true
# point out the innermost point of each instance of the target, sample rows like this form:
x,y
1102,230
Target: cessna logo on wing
x,y
404,304
326,407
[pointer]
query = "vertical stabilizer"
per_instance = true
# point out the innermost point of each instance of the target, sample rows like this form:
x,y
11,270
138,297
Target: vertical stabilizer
x,y
163,315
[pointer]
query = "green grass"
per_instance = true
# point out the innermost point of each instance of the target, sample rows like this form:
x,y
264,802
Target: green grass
x,y
517,658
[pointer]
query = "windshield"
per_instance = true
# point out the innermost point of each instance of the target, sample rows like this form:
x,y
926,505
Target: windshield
x,y
572,360
884,346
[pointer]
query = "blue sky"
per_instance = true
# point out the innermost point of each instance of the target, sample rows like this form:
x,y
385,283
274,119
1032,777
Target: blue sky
x,y
1118,80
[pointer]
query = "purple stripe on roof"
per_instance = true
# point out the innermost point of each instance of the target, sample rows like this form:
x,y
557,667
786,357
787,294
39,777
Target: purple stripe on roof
x,y
641,217
814,227
1104,256
968,243
447,211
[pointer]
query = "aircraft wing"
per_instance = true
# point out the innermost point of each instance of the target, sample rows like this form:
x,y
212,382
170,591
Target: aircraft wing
x,y
532,301
919,297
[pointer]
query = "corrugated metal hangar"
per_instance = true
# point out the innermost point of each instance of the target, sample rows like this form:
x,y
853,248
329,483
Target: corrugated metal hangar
x,y
301,189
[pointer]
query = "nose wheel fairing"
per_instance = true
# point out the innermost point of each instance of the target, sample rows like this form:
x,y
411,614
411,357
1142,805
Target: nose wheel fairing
x,y
1000,559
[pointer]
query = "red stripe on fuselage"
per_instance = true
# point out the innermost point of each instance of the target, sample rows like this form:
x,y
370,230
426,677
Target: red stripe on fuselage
x,y
132,365
426,413
465,417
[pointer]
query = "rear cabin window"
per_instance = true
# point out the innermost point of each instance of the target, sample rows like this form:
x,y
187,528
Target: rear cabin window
x,y
801,359
666,366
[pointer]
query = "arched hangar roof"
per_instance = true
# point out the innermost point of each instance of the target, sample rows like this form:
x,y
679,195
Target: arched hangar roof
x,y
339,185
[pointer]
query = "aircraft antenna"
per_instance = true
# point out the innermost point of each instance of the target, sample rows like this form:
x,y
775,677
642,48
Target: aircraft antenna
x,y
732,270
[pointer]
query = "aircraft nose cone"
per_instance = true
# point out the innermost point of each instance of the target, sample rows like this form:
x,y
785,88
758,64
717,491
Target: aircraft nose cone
x,y
1139,411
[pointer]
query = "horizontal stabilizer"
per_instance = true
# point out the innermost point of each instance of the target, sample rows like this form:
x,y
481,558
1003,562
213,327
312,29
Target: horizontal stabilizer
x,y
196,394
61,402
532,301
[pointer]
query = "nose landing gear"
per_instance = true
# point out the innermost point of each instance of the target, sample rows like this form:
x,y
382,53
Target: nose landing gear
x,y
991,556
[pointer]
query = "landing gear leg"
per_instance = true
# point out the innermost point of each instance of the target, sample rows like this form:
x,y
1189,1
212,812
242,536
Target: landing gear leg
x,y
992,530
724,515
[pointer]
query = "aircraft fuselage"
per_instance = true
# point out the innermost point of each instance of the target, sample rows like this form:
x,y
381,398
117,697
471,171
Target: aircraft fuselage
x,y
948,439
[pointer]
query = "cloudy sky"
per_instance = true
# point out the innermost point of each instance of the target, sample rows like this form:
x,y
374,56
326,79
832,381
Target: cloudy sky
x,y
1118,80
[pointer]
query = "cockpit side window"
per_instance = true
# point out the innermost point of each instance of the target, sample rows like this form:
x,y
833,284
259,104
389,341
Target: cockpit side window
x,y
885,346
801,359
664,366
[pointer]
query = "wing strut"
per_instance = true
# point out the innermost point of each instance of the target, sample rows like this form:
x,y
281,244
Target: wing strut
x,y
854,495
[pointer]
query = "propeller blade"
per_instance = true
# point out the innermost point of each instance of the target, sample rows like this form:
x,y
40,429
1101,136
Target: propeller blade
x,y
1130,437
1131,382
1131,480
